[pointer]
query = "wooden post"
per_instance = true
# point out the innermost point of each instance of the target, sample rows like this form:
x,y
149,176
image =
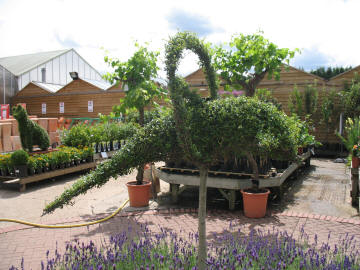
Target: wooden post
x,y
174,192
354,186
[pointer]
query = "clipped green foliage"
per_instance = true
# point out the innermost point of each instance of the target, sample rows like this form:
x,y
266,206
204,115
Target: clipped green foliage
x,y
257,127
30,133
19,157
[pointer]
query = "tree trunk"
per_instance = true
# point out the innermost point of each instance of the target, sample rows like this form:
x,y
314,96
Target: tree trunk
x,y
202,251
255,170
250,92
140,173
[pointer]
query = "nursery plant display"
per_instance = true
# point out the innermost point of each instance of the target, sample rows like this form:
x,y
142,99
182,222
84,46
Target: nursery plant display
x,y
39,163
20,159
30,133
200,131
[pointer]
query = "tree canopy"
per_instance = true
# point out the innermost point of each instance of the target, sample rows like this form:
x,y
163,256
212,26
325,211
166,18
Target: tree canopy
x,y
249,59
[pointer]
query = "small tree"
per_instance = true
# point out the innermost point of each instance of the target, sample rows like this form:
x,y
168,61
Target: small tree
x,y
304,104
136,75
328,110
350,98
249,59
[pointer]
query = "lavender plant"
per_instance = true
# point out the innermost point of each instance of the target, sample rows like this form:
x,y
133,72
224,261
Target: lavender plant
x,y
234,249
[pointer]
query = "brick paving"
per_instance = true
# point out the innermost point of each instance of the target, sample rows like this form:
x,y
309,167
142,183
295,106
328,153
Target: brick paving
x,y
19,242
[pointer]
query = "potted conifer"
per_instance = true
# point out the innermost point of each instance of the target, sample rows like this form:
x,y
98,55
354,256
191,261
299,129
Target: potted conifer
x,y
20,159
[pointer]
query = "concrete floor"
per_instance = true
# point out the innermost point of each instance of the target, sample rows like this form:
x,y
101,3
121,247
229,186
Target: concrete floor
x,y
324,189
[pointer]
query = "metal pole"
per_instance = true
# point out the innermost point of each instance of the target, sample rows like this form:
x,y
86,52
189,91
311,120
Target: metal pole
x,y
4,83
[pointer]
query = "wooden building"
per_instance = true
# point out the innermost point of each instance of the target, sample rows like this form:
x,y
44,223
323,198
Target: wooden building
x,y
79,98
282,88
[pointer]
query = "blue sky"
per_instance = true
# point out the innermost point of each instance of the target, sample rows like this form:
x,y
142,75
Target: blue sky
x,y
324,30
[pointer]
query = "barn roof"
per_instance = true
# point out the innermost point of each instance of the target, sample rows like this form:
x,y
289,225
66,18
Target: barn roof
x,y
20,64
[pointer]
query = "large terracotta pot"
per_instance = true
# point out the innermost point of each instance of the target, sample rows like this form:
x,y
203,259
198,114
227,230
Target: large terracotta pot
x,y
255,203
355,162
138,194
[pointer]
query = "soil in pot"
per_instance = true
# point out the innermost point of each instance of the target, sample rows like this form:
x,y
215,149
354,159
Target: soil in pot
x,y
139,194
255,202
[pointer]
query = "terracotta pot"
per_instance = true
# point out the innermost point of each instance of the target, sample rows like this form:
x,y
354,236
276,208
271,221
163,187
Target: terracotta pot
x,y
255,203
138,194
355,162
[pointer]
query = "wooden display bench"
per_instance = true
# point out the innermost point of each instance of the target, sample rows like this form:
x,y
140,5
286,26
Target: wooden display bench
x,y
46,175
227,186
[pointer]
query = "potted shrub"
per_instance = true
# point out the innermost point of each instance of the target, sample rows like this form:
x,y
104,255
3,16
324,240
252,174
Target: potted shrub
x,y
52,161
351,141
4,164
31,165
20,159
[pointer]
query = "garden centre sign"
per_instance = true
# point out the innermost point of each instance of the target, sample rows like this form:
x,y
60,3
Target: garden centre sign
x,y
90,106
61,107
43,108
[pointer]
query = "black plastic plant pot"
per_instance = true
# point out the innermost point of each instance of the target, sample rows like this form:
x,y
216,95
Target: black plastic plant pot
x,y
77,161
31,171
101,147
111,146
39,170
52,167
4,172
21,170
62,166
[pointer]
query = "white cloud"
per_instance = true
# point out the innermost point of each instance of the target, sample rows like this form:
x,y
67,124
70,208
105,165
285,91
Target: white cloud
x,y
329,27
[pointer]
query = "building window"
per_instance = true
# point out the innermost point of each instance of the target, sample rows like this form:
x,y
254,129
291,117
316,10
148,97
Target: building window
x,y
43,75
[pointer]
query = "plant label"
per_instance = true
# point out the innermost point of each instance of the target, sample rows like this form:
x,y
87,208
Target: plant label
x,y
104,155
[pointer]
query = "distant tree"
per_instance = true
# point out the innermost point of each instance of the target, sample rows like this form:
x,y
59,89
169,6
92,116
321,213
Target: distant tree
x,y
249,59
329,72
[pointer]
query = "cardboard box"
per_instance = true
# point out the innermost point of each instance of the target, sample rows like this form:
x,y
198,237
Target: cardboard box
x,y
6,136
16,143
52,124
43,122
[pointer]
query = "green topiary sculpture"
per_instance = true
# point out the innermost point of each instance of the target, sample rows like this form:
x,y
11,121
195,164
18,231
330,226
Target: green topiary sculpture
x,y
30,132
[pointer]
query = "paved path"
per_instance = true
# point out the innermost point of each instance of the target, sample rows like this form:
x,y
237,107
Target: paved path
x,y
32,244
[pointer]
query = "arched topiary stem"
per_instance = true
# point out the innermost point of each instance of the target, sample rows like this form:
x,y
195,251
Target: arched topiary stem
x,y
178,91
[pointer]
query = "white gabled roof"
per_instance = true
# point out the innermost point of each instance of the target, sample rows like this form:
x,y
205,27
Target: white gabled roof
x,y
53,88
20,64
100,84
